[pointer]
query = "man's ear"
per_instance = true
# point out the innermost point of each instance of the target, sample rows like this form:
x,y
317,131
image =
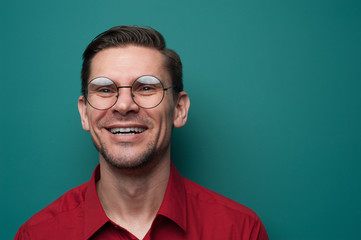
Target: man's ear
x,y
83,113
181,110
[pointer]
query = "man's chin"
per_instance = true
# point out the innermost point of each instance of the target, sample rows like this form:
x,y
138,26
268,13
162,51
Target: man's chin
x,y
128,161
126,164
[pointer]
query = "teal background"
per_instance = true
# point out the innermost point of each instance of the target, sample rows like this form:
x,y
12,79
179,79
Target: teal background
x,y
275,105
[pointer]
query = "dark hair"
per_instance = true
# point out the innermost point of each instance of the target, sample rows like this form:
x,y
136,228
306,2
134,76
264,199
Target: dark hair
x,y
121,36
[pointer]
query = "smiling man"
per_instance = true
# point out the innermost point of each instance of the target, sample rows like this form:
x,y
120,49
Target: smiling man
x,y
132,98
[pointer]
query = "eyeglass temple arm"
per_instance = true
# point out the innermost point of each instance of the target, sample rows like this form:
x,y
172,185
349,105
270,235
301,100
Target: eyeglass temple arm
x,y
165,89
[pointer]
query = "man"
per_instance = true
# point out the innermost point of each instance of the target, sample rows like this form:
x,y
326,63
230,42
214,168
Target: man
x,y
132,97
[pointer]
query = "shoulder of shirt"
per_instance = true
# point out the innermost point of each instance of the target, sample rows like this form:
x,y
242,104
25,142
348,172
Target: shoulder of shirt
x,y
69,201
217,201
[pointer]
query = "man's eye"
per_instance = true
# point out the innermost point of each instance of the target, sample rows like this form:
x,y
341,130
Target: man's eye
x,y
104,90
146,88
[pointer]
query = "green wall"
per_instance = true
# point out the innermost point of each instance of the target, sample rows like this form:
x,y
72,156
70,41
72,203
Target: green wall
x,y
275,105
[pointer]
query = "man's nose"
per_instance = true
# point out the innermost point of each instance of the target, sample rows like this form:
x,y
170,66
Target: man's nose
x,y
125,103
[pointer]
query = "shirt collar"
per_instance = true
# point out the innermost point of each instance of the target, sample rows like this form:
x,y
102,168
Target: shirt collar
x,y
94,215
173,207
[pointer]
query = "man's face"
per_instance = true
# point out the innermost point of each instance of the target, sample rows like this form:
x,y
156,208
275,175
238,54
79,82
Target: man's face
x,y
153,126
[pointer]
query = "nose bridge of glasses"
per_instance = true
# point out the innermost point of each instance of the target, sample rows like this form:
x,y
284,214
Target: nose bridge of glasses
x,y
119,95
130,88
124,87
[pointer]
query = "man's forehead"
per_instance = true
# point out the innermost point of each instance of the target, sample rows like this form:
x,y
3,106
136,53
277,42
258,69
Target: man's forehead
x,y
129,61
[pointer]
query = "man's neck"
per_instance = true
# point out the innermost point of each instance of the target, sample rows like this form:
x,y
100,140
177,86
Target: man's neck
x,y
132,200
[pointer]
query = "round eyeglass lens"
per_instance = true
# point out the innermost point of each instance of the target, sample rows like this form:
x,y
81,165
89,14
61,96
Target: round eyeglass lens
x,y
102,93
147,91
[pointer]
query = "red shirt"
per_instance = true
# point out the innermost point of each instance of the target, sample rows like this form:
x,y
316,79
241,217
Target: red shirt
x,y
188,211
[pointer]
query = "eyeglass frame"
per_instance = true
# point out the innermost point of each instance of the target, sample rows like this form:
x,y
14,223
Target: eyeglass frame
x,y
131,92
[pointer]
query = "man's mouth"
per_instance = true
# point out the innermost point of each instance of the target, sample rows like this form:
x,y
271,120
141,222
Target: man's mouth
x,y
126,131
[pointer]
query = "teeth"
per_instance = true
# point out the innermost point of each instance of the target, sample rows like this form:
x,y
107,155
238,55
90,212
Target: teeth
x,y
126,131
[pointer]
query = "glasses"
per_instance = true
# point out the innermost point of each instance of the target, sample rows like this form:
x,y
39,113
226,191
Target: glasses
x,y
146,91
